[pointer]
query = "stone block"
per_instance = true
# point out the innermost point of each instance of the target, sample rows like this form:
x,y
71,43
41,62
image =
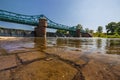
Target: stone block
x,y
46,70
8,61
30,56
5,75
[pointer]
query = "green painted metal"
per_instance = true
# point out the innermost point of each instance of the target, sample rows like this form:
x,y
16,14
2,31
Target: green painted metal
x,y
31,20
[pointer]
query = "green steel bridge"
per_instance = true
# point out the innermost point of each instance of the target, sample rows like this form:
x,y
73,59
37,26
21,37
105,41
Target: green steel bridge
x,y
31,20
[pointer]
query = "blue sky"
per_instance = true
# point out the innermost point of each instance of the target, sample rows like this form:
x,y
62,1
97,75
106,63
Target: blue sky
x,y
89,13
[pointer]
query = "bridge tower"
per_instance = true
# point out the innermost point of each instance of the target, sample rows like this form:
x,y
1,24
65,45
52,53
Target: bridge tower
x,y
78,34
40,30
78,29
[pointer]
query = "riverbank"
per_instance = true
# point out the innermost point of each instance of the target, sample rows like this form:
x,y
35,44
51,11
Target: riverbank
x,y
23,59
104,35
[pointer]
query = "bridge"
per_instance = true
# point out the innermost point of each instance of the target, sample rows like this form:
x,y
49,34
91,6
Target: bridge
x,y
41,21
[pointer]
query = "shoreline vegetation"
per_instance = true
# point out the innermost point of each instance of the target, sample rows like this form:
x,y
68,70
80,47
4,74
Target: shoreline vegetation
x,y
112,31
104,35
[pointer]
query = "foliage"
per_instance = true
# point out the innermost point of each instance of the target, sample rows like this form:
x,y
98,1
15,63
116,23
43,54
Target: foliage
x,y
113,36
100,29
87,30
91,31
61,31
99,35
79,26
112,28
118,28
104,35
113,31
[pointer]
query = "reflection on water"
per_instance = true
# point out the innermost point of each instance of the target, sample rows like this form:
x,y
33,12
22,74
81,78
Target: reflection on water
x,y
85,45
113,46
101,45
40,43
98,43
68,42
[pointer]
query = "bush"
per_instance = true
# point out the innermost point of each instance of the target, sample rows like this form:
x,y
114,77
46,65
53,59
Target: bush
x,y
104,35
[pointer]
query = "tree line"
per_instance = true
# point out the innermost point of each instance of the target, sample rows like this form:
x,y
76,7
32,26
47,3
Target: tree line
x,y
112,30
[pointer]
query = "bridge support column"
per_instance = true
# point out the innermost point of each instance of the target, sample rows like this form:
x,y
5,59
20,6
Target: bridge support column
x,y
40,30
78,34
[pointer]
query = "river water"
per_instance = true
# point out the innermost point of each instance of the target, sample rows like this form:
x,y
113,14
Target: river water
x,y
86,45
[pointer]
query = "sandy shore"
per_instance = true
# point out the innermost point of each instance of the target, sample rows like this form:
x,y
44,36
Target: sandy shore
x,y
21,60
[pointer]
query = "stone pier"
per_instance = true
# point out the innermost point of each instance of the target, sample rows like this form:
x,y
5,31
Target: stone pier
x,y
78,34
40,30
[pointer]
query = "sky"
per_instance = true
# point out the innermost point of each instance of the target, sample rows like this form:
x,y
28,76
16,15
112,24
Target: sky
x,y
89,13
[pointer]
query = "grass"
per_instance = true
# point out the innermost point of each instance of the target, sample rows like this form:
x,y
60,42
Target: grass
x,y
104,35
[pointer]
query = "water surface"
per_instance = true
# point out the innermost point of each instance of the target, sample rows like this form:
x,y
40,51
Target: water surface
x,y
88,45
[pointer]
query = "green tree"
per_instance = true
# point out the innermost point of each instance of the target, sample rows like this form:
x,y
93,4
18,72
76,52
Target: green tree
x,y
91,31
111,27
87,30
79,26
118,24
61,31
100,29
118,28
